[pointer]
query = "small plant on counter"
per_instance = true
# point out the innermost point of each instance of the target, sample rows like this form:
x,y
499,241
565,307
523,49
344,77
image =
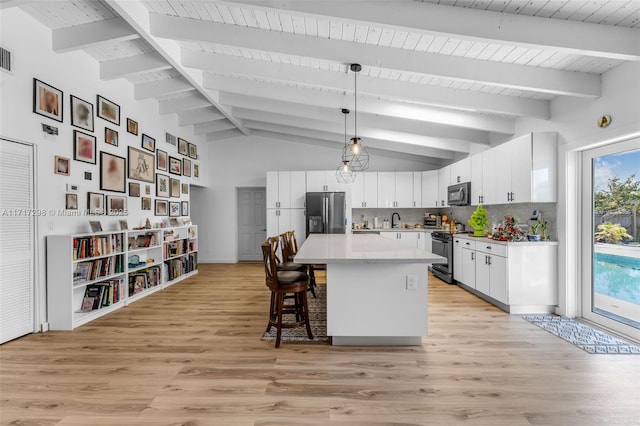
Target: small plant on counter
x,y
479,221
509,231
534,235
611,233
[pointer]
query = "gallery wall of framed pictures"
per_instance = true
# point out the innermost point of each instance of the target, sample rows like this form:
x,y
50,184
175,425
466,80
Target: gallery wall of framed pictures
x,y
123,166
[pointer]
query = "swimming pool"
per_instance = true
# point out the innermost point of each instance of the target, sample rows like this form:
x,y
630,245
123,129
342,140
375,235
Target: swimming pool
x,y
617,276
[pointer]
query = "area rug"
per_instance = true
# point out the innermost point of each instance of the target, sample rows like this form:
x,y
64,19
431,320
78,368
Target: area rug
x,y
317,316
584,337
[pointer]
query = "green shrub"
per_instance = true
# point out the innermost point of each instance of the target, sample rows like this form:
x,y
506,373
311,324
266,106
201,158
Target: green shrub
x,y
611,233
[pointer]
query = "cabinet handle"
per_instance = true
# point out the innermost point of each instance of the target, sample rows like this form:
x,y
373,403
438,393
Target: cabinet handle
x,y
457,241
468,244
489,259
486,260
473,256
488,247
512,197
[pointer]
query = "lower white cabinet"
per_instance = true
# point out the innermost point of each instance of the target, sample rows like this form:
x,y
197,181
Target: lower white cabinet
x,y
518,277
424,241
280,221
409,238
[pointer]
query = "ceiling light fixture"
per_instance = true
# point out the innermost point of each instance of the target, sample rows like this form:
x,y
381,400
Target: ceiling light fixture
x,y
344,173
357,153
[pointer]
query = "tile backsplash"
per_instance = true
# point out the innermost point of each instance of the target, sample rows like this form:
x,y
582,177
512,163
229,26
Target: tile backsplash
x,y
462,214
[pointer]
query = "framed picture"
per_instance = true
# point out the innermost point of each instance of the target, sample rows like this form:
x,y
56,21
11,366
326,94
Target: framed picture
x,y
132,126
110,136
108,110
84,147
141,165
61,166
134,189
162,185
81,114
183,147
123,225
161,160
170,139
88,176
175,188
196,170
47,100
148,143
147,190
186,167
146,203
175,166
116,205
162,208
185,208
95,203
185,188
113,171
193,151
174,208
95,225
71,201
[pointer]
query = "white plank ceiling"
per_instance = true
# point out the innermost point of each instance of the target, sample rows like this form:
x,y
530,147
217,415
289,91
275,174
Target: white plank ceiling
x,y
438,77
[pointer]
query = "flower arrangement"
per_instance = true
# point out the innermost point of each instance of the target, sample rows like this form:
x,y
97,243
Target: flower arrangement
x,y
509,230
479,221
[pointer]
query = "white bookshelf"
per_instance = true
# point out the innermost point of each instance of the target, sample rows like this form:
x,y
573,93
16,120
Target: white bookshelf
x,y
131,254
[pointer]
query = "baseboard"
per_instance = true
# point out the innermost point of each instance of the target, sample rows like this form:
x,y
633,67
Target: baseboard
x,y
217,260
44,327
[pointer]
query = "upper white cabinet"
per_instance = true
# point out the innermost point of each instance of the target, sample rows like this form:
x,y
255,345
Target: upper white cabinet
x,y
460,171
476,180
364,191
395,190
417,189
430,188
325,181
527,169
444,179
285,190
489,172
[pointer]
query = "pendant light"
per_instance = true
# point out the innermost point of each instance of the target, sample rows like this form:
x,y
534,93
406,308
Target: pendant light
x,y
344,173
357,153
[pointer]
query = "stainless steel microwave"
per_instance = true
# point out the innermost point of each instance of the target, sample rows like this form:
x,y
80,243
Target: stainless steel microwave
x,y
459,195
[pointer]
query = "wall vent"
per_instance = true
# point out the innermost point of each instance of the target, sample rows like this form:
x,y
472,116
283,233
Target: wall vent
x,y
5,60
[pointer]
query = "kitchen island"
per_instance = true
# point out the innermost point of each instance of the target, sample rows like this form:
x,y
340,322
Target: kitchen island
x,y
376,288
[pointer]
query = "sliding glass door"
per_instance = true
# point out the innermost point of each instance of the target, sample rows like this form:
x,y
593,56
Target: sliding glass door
x,y
611,240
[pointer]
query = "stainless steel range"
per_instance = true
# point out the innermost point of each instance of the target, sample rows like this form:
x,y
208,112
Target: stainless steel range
x,y
442,244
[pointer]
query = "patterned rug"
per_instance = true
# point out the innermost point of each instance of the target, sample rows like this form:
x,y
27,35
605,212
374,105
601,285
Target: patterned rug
x,y
586,338
317,315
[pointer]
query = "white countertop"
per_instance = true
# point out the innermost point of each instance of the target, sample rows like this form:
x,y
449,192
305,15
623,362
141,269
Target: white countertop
x,y
505,243
366,248
356,231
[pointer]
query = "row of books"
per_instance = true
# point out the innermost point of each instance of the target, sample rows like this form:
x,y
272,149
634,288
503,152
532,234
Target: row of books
x,y
89,271
175,248
96,246
176,267
100,295
144,279
149,239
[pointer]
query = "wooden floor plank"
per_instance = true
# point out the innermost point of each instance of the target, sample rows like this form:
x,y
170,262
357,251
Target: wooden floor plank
x,y
192,355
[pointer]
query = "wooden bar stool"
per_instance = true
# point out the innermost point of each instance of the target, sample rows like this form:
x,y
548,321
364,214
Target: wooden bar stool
x,y
281,283
290,248
284,266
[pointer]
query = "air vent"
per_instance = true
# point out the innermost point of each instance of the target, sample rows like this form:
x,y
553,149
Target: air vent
x,y
5,60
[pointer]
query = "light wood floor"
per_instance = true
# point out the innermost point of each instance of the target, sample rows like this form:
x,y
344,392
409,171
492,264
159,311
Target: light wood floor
x,y
192,355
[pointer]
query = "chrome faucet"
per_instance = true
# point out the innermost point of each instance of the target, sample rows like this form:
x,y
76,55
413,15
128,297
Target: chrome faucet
x,y
393,223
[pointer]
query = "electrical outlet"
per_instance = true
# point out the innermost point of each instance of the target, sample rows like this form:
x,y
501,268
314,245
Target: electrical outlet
x,y
412,282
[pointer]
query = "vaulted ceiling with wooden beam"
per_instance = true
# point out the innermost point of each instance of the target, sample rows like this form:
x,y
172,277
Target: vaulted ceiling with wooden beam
x,y
440,78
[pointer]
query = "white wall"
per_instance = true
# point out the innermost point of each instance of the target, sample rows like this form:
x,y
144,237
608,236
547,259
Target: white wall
x,y
575,121
75,74
243,162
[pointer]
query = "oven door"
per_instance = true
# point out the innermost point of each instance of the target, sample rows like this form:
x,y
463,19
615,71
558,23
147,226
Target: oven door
x,y
441,248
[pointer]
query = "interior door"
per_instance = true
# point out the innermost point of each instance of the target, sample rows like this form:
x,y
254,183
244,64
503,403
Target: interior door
x,y
16,240
252,223
611,237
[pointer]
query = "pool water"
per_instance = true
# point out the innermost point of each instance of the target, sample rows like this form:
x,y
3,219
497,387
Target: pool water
x,y
617,276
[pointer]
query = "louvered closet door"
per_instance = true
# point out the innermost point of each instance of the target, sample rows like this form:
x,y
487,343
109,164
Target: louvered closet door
x,y
16,240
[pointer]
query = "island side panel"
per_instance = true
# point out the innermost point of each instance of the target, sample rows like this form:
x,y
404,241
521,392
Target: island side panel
x,y
372,300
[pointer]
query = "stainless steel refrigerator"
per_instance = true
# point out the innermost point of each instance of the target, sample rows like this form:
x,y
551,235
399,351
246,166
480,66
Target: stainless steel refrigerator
x,y
326,213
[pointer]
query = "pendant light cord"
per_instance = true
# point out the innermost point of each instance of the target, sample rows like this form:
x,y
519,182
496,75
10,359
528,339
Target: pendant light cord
x,y
355,105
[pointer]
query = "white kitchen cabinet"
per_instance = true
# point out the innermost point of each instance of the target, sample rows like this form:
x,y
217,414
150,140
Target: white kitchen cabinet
x,y
408,237
286,190
298,222
386,189
278,221
489,174
430,189
491,272
468,267
476,180
364,191
404,190
444,179
427,242
316,181
460,171
417,189
457,259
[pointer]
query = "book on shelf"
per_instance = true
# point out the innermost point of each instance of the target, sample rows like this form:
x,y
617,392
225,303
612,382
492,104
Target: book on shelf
x,y
100,295
144,279
175,248
84,247
148,239
91,270
175,268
